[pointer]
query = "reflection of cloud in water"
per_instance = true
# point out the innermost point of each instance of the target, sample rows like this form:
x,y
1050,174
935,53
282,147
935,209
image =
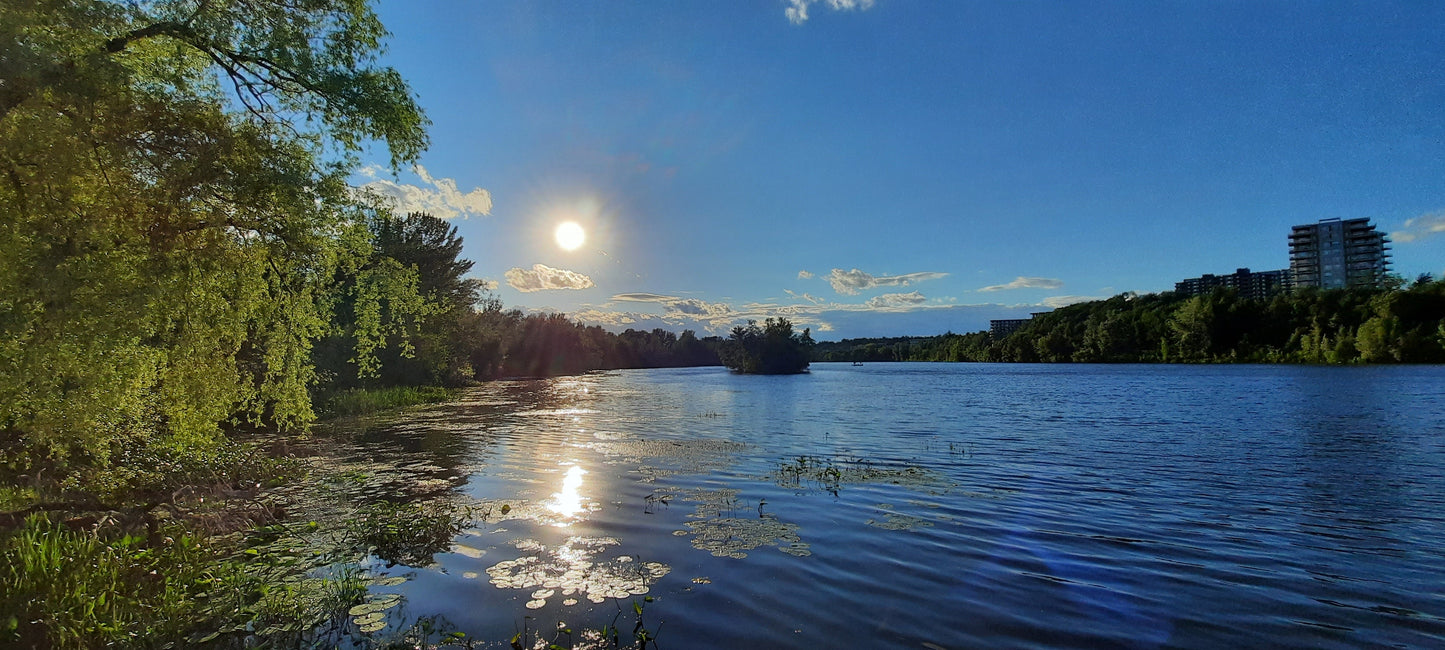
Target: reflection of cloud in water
x,y
574,569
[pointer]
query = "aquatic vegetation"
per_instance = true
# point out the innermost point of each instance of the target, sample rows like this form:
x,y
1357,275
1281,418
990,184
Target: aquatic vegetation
x,y
493,511
142,471
574,568
694,449
365,401
370,616
695,455
608,636
717,530
896,521
832,473
409,533
68,588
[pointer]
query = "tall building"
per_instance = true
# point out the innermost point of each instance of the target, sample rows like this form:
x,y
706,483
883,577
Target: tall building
x,y
1258,285
1332,254
1001,327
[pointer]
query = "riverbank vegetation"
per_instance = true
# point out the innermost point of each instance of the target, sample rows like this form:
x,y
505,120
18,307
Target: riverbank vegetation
x,y
1404,324
186,265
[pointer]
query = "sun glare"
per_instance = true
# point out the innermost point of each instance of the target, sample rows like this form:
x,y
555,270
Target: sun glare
x,y
568,502
570,236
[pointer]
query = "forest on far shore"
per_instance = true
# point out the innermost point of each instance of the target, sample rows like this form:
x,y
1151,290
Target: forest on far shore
x,y
1397,324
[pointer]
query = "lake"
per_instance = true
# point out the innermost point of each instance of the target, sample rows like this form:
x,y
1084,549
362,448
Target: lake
x,y
934,506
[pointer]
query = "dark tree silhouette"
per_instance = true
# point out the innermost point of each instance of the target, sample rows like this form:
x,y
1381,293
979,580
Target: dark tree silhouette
x,y
773,349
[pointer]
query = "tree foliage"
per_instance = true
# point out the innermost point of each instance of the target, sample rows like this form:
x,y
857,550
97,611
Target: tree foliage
x,y
399,316
1399,325
172,225
773,349
507,343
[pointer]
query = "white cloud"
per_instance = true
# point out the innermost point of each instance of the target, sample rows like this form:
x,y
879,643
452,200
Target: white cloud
x,y
797,11
895,300
488,285
849,283
1022,282
643,297
440,198
805,275
694,307
544,278
1064,301
1425,225
805,296
674,306
607,318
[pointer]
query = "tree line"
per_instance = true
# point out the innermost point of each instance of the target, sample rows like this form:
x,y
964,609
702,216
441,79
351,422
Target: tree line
x,y
458,332
1395,324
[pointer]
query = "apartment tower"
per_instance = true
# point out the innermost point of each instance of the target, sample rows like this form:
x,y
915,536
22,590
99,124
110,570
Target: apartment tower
x,y
1333,254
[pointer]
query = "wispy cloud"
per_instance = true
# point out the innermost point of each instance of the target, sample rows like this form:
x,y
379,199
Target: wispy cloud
x,y
895,300
1064,301
605,318
1425,225
805,296
675,306
805,275
797,11
543,278
849,283
1022,282
440,198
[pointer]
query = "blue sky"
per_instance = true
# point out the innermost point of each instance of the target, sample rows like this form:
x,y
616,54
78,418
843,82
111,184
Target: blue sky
x,y
900,167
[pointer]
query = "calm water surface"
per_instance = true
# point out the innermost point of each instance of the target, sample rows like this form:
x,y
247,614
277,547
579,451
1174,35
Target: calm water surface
x,y
939,505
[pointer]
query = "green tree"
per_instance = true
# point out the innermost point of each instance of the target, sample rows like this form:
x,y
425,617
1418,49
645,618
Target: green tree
x,y
1191,330
773,349
173,206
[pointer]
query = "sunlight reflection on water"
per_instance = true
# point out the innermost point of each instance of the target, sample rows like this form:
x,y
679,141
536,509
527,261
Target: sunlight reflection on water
x,y
568,502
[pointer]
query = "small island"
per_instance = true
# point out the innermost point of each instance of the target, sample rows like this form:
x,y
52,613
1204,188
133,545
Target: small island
x,y
773,349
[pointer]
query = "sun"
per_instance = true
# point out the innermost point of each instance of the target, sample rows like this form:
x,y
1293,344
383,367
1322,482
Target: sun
x,y
570,236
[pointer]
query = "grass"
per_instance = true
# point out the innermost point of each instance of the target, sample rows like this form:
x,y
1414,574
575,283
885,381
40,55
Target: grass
x,y
365,401
65,588
76,589
147,551
408,533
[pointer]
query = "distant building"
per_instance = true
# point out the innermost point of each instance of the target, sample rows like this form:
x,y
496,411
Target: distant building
x,y
1005,326
1258,285
1333,254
